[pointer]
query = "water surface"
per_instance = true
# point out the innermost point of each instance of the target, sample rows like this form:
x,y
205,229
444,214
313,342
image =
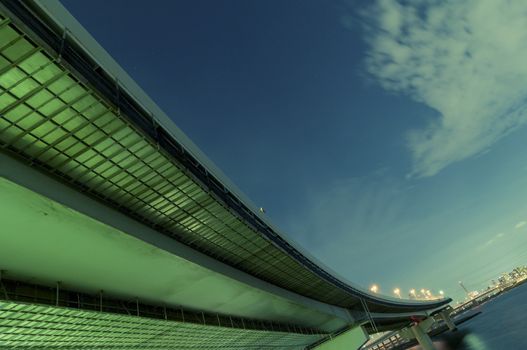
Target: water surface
x,y
501,325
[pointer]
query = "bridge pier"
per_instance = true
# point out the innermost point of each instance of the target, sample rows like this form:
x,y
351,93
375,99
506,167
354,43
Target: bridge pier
x,y
422,337
445,316
419,331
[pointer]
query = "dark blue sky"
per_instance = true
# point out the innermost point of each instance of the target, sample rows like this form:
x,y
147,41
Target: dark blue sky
x,y
270,90
321,121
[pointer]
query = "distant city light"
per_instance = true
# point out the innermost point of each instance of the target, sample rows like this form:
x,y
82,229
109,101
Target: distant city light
x,y
397,292
374,288
412,291
441,292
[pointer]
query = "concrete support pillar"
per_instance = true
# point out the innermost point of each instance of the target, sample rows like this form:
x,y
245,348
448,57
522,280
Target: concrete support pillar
x,y
448,321
422,337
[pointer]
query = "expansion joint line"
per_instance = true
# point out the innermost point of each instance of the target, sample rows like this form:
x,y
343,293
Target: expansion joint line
x,y
3,287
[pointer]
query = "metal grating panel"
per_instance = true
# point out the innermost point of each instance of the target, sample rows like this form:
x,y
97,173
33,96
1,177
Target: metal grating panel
x,y
27,292
35,326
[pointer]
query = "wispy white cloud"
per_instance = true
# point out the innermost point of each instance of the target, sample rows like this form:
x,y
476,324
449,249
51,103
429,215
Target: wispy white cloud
x,y
465,59
520,224
489,242
492,241
347,219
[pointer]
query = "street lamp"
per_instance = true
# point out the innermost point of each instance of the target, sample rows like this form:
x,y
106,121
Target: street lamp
x,y
412,294
374,288
397,292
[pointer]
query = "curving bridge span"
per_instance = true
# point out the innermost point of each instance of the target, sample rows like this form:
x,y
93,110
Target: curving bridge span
x,y
117,232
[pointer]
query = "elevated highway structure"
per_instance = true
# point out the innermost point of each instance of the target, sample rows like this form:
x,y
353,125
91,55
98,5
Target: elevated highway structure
x,y
117,231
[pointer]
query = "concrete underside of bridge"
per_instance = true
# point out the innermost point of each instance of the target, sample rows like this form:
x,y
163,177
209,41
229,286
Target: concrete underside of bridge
x,y
44,242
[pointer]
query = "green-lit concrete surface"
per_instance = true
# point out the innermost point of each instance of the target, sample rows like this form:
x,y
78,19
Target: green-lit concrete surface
x,y
351,339
24,326
45,242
